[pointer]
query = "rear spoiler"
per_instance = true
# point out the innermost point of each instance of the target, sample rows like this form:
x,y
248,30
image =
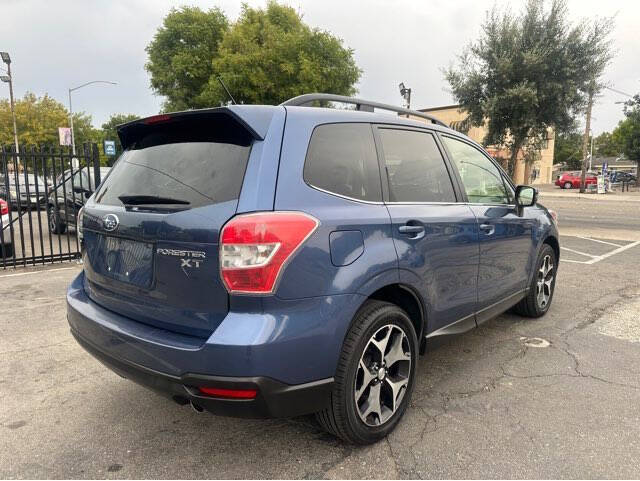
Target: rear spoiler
x,y
241,120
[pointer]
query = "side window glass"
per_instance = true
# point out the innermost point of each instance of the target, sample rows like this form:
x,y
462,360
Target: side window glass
x,y
342,159
415,167
482,180
80,179
67,187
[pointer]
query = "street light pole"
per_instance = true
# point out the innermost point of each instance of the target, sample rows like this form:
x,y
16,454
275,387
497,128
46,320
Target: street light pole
x,y
73,137
9,79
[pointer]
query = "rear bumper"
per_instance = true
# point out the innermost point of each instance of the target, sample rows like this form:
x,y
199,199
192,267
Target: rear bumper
x,y
288,352
273,399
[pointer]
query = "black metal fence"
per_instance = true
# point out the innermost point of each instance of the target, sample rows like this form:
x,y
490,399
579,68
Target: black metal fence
x,y
41,192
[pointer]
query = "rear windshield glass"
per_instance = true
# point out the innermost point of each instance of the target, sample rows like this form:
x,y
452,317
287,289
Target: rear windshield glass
x,y
172,167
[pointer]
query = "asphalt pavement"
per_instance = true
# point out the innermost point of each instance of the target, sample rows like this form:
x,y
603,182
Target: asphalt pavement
x,y
556,397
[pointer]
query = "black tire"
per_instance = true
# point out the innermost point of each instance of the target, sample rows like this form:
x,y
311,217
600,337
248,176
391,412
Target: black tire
x,y
531,305
6,251
343,417
568,185
56,225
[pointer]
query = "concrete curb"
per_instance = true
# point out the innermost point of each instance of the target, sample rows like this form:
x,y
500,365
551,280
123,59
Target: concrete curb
x,y
596,197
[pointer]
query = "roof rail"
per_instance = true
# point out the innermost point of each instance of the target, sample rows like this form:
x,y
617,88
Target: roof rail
x,y
364,105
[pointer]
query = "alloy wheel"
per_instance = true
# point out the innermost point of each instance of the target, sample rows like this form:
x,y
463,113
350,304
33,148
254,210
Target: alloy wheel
x,y
383,374
544,284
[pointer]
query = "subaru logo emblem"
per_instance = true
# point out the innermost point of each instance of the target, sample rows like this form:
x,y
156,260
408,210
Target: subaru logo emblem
x,y
110,222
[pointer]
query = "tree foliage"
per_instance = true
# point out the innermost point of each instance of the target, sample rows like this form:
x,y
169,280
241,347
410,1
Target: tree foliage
x,y
265,57
607,144
181,52
38,119
628,130
567,150
525,74
109,131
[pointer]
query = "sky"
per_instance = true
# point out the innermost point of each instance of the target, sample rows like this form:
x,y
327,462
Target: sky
x,y
57,45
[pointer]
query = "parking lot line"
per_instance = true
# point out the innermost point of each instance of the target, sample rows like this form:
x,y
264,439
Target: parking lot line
x,y
598,240
593,258
578,252
613,252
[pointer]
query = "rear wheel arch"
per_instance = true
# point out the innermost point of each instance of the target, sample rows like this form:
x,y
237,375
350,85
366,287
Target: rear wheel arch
x,y
407,299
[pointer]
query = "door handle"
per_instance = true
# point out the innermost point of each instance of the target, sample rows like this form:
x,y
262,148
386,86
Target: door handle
x,y
412,230
488,229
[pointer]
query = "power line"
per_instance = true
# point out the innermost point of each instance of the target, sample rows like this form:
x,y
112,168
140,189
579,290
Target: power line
x,y
619,92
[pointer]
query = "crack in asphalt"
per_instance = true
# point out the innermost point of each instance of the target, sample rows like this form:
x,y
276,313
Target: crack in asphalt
x,y
398,468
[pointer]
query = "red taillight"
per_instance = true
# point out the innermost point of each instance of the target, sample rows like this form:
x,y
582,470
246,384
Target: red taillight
x,y
254,248
4,207
229,393
157,119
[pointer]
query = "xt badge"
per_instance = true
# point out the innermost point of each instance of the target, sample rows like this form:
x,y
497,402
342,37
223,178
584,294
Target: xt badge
x,y
190,263
191,259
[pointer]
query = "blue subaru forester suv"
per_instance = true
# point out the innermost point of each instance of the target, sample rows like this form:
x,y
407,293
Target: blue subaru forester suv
x,y
267,261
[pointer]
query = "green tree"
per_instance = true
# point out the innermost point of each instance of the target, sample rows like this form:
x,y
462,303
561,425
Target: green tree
x,y
38,119
596,51
607,145
628,130
181,53
524,75
266,56
567,149
109,127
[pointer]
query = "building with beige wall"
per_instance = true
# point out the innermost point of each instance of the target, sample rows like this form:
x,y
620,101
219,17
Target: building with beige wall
x,y
539,172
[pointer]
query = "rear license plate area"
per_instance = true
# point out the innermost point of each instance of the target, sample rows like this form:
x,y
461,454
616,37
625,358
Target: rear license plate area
x,y
124,260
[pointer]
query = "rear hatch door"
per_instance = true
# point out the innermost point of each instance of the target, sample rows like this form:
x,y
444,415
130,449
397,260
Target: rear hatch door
x,y
150,232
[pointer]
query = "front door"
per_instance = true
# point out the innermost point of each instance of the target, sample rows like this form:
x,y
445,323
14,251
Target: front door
x,y
436,237
506,237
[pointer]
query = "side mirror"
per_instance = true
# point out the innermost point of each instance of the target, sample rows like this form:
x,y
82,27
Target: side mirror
x,y
526,196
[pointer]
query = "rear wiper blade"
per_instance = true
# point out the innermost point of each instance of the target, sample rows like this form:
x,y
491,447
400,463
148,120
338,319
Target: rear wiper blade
x,y
150,200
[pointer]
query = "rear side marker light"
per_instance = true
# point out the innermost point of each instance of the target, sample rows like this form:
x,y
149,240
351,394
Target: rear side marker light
x,y
229,393
255,248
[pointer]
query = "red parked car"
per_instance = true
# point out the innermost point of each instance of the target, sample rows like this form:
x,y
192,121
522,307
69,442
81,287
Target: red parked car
x,y
571,180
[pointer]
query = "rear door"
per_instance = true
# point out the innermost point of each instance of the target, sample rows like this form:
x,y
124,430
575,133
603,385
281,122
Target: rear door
x,y
436,237
150,237
506,238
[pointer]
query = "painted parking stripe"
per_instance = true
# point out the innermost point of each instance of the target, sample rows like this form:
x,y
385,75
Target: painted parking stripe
x,y
579,252
613,252
593,259
598,240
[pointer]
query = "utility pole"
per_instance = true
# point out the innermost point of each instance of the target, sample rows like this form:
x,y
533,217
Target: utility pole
x,y
585,140
73,138
6,58
591,153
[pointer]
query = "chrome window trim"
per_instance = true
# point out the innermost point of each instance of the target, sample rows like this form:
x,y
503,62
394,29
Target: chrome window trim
x,y
319,189
372,202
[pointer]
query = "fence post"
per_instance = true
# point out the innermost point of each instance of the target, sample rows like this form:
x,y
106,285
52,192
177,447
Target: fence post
x,y
96,164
